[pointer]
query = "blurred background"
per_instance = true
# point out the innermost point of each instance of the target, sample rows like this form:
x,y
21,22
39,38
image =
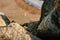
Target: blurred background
x,y
20,10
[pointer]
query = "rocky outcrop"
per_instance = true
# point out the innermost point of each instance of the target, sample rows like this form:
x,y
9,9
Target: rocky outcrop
x,y
49,27
49,23
47,6
15,32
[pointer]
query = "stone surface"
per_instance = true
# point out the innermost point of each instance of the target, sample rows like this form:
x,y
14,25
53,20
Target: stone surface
x,y
31,27
49,27
47,6
15,32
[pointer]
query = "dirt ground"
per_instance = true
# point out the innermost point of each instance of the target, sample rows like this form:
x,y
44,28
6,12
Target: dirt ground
x,y
25,6
19,11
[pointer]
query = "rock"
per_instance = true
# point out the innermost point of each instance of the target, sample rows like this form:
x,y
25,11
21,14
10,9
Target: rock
x,y
49,23
49,28
16,32
31,27
3,20
47,6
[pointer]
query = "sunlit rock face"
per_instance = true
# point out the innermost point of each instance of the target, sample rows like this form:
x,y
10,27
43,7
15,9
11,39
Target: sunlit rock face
x,y
3,20
16,32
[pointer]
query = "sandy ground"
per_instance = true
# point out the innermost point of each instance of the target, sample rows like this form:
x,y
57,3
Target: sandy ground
x,y
25,6
15,10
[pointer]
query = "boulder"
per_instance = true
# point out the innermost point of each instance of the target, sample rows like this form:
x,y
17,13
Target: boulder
x,y
47,6
48,30
49,27
49,23
16,32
